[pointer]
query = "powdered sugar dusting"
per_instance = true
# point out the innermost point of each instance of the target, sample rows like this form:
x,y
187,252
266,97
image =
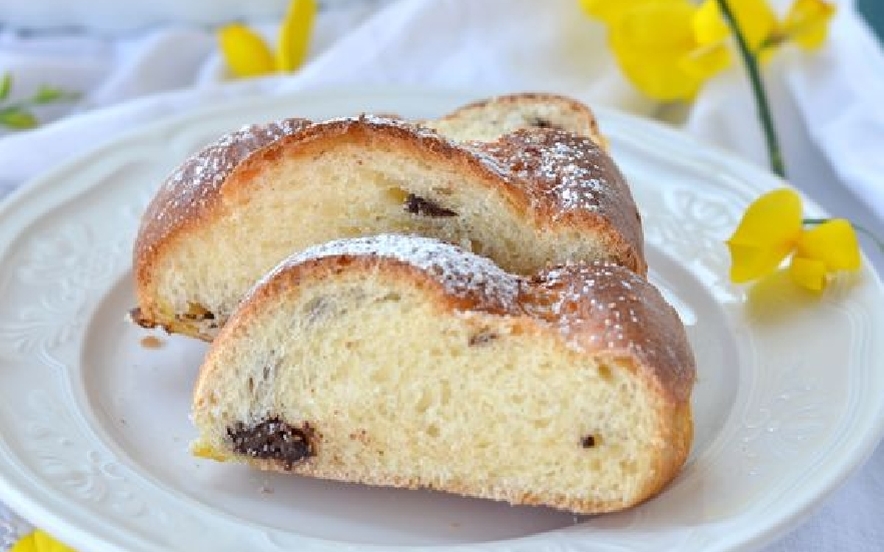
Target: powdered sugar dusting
x,y
416,130
602,306
196,181
461,273
570,171
210,166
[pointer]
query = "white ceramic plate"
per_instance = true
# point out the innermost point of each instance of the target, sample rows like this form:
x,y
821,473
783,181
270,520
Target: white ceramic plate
x,y
95,425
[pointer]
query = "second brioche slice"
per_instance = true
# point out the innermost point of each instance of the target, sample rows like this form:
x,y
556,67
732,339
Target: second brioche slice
x,y
488,119
529,199
405,361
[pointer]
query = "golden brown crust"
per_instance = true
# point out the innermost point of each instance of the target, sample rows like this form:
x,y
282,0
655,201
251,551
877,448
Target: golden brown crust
x,y
569,180
604,307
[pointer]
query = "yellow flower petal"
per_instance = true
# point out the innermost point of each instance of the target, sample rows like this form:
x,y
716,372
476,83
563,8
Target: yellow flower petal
x,y
807,22
750,262
650,42
708,23
294,35
808,273
662,79
768,232
246,53
39,541
834,243
602,9
609,11
705,61
755,18
657,24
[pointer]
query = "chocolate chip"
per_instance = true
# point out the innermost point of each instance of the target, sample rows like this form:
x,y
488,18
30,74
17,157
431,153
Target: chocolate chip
x,y
482,338
418,205
273,439
391,297
136,317
540,122
196,313
588,441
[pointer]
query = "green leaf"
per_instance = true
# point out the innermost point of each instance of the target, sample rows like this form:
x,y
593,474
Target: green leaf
x,y
5,86
48,94
17,119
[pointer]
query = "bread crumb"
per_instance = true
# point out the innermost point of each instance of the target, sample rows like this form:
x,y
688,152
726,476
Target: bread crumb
x,y
152,342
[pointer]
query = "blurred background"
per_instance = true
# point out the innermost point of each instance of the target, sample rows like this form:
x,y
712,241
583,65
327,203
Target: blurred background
x,y
873,11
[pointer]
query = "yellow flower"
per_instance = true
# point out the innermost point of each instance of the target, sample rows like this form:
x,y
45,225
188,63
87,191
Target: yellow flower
x,y
669,48
610,11
772,228
655,45
39,541
805,24
247,55
755,18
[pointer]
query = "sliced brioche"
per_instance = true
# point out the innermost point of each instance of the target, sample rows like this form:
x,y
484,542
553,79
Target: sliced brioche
x,y
230,213
488,119
406,361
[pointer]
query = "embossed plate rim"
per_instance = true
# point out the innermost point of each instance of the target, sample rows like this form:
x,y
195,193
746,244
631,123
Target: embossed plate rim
x,y
58,188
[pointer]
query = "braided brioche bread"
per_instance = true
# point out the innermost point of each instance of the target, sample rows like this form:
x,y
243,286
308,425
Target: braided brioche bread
x,y
231,212
406,361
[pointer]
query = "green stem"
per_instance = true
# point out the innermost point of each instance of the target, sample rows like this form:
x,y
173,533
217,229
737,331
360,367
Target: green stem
x,y
751,63
865,231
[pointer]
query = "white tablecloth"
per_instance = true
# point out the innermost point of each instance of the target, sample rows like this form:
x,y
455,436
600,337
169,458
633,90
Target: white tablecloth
x,y
827,107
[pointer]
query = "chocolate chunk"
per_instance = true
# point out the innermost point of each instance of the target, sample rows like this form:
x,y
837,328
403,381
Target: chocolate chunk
x,y
540,122
420,206
482,338
273,439
588,441
136,317
197,312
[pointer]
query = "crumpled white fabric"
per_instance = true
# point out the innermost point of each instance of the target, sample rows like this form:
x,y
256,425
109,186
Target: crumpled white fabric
x,y
112,17
827,108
